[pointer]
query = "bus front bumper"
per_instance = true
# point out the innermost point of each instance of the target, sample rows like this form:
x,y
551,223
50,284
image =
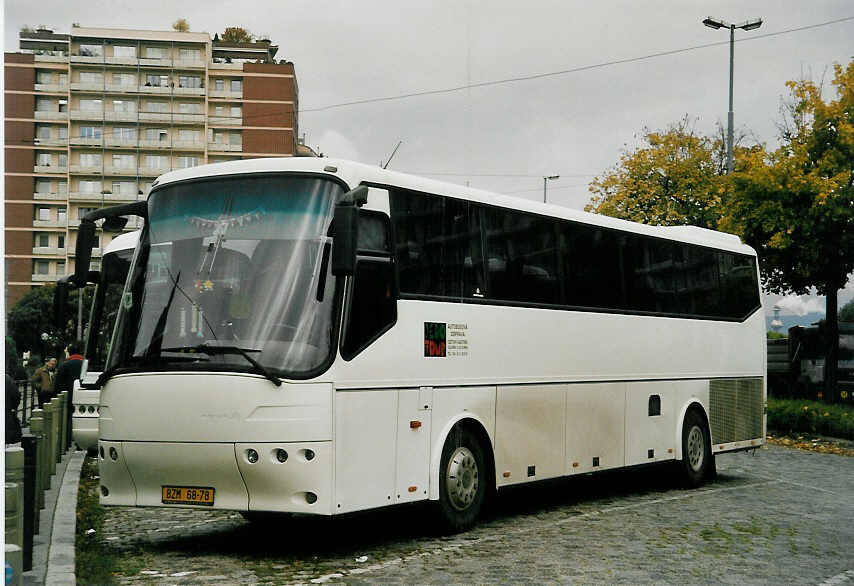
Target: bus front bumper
x,y
282,477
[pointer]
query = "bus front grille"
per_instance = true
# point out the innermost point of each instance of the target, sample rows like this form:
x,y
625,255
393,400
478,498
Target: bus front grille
x,y
735,409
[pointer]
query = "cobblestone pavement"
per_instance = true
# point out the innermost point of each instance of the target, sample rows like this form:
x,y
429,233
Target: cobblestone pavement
x,y
782,516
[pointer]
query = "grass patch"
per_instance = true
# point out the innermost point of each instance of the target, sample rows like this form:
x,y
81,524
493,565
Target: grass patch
x,y
94,562
801,416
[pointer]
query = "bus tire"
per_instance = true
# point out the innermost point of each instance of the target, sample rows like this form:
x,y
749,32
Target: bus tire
x,y
462,481
697,460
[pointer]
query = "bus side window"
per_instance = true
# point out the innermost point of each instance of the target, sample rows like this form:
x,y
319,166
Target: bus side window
x,y
372,302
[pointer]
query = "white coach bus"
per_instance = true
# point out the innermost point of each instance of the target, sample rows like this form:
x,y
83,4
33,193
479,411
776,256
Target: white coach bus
x,y
115,263
319,336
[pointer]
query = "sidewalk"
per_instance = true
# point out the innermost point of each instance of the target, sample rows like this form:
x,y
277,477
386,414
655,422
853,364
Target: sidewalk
x,y
53,547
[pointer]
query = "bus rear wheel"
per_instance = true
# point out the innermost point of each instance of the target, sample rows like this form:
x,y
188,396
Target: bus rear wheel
x,y
697,460
462,481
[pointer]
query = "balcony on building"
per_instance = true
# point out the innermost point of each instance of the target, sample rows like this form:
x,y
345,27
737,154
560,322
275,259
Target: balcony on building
x,y
48,251
54,115
87,169
153,171
114,116
86,141
123,171
51,223
41,169
44,44
87,114
49,196
86,196
51,141
224,147
226,53
48,278
87,86
225,120
227,94
119,142
56,88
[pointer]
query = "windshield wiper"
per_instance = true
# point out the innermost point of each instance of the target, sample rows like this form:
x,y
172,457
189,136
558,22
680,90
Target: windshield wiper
x,y
212,350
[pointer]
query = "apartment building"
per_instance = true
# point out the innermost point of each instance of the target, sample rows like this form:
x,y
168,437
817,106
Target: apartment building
x,y
93,117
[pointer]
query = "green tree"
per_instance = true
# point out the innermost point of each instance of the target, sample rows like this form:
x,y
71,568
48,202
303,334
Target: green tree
x,y
33,315
795,205
236,34
847,312
181,25
675,178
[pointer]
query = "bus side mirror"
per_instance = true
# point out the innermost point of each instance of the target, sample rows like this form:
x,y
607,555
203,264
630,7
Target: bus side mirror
x,y
345,239
83,251
60,298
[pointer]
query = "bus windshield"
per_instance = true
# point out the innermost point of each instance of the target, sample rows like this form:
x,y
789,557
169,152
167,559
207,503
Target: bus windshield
x,y
105,306
232,273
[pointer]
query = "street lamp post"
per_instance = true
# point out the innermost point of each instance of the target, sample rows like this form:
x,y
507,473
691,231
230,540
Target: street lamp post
x,y
747,25
546,179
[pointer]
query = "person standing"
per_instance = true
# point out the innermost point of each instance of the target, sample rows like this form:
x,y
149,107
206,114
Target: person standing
x,y
13,398
67,374
43,381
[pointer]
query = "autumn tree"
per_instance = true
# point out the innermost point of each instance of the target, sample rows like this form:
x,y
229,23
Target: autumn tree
x,y
236,34
181,25
795,205
675,178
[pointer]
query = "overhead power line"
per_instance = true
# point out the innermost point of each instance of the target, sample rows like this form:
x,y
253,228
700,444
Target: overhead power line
x,y
566,71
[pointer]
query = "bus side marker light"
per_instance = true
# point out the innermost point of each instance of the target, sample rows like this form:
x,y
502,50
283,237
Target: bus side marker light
x,y
309,455
595,461
251,455
412,488
650,453
281,455
114,455
575,464
414,424
669,450
310,498
506,474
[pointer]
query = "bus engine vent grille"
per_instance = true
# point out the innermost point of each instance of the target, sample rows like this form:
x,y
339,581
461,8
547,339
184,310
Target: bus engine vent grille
x,y
735,409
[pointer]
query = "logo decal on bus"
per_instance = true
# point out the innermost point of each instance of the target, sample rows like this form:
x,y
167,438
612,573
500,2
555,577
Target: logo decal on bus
x,y
435,341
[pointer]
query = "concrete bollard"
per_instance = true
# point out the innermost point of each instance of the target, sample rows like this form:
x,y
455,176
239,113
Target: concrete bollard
x,y
14,565
31,518
15,477
37,429
63,398
48,435
54,432
13,514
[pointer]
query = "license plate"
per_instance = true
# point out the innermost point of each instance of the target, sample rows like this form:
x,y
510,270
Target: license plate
x,y
187,495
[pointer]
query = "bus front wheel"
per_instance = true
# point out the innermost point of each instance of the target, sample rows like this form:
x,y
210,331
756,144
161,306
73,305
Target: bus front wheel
x,y
462,481
697,463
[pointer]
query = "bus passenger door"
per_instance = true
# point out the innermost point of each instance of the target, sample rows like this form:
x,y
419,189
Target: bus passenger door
x,y
413,444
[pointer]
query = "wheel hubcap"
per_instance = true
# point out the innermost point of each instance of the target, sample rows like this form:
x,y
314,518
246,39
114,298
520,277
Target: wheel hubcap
x,y
696,448
461,478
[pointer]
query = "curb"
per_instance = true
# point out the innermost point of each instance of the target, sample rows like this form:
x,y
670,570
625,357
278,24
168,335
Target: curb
x,y
60,562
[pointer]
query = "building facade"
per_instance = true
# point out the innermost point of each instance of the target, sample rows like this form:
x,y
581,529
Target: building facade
x,y
92,118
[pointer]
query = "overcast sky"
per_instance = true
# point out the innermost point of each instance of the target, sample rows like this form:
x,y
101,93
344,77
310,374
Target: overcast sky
x,y
505,137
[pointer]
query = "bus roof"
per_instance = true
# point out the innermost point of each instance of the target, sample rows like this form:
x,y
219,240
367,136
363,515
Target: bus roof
x,y
125,241
353,174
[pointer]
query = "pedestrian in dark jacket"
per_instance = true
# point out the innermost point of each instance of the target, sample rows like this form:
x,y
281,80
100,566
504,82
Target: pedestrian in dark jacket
x,y
13,398
67,374
42,380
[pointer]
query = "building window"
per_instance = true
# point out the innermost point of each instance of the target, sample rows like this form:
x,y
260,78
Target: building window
x,y
236,85
60,267
44,77
83,211
63,159
63,132
91,105
188,135
63,79
123,106
156,162
124,161
90,159
41,240
91,50
156,52
124,79
188,54
124,187
190,81
43,131
236,112
44,105
90,186
63,187
42,186
43,214
219,85
91,77
60,241
63,105
234,138
190,108
124,133
157,80
158,107
45,159
187,162
90,132
122,51
62,215
41,267
157,134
